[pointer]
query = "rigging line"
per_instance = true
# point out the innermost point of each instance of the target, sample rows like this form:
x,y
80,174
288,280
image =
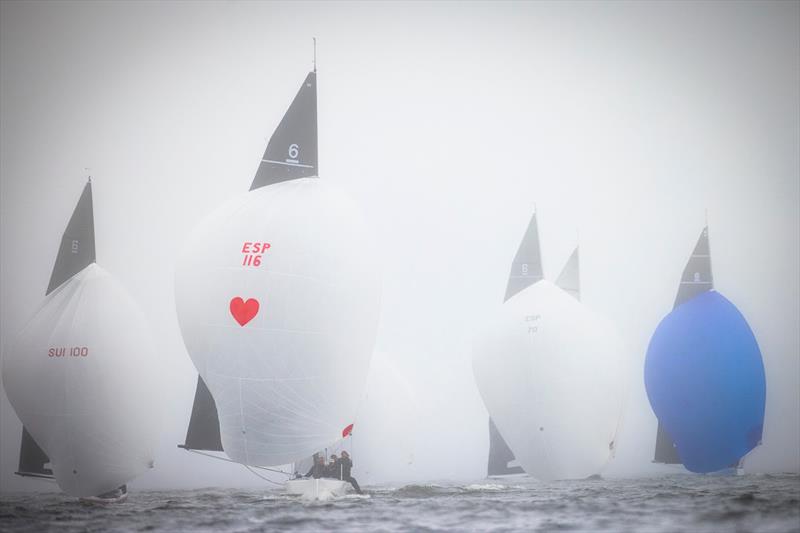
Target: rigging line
x,y
198,452
260,476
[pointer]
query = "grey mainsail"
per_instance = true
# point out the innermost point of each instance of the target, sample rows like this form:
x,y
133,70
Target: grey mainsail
x,y
569,280
75,253
292,150
500,455
203,431
32,459
77,244
526,269
697,277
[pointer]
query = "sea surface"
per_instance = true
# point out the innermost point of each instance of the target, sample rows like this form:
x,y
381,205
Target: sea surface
x,y
669,504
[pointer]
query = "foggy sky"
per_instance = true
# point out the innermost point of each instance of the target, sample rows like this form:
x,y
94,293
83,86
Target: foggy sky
x,y
624,123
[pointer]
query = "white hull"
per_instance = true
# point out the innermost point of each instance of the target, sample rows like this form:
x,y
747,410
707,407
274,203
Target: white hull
x,y
317,489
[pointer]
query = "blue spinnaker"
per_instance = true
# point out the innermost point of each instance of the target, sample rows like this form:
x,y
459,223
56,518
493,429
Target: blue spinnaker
x,y
705,380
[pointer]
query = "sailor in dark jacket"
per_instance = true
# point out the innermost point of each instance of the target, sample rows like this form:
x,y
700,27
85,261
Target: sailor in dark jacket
x,y
318,468
345,466
332,468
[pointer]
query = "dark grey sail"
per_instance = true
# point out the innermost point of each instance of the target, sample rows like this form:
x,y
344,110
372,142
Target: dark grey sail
x,y
292,149
32,459
77,244
500,455
203,432
526,269
75,253
696,278
569,279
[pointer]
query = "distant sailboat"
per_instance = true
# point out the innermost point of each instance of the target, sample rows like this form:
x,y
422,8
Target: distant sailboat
x,y
277,296
80,375
549,372
526,269
704,375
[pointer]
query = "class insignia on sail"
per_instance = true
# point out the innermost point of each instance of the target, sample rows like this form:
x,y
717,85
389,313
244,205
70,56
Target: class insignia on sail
x,y
80,375
277,296
550,372
704,375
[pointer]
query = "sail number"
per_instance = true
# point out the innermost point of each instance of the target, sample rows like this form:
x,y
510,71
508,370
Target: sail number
x,y
252,253
532,323
294,151
74,351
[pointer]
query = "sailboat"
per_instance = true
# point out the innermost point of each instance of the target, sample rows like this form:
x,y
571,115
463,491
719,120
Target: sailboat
x,y
549,371
81,378
501,459
277,296
704,375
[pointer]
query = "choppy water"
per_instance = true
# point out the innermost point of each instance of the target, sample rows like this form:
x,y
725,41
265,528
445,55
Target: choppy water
x,y
674,503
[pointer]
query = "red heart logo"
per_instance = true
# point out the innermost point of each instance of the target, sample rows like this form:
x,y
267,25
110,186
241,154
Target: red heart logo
x,y
243,311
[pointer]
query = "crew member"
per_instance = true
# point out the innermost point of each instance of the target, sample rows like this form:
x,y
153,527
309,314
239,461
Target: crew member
x,y
345,466
332,470
318,468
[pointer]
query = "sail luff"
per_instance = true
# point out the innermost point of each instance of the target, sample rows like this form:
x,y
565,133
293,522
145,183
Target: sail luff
x,y
77,250
292,150
526,269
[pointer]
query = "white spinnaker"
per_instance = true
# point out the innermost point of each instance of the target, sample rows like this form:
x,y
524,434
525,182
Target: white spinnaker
x,y
385,438
550,374
289,380
95,416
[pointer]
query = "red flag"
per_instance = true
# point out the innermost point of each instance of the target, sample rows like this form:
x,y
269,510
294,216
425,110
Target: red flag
x,y
347,431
